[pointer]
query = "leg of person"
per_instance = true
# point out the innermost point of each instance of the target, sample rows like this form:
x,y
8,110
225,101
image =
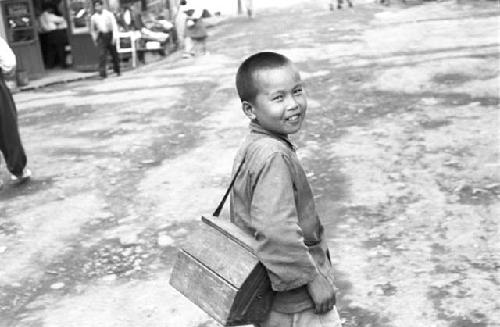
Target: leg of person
x,y
51,49
43,46
103,54
114,57
349,2
339,4
204,46
278,319
309,318
188,47
60,48
10,140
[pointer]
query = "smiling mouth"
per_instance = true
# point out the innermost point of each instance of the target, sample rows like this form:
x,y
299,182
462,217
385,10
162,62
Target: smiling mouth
x,y
294,118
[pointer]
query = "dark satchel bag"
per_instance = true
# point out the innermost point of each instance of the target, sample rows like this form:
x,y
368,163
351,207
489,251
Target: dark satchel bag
x,y
219,271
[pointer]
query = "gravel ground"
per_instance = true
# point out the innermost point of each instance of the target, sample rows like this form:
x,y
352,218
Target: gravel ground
x,y
401,147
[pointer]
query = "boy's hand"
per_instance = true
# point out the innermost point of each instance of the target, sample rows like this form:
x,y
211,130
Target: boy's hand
x,y
322,293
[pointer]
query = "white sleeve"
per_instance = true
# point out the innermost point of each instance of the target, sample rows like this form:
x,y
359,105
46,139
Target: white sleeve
x,y
7,57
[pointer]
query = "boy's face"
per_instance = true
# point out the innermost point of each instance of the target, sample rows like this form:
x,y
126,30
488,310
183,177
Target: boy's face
x,y
280,104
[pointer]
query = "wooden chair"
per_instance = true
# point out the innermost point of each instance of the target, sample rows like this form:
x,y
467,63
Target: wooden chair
x,y
126,44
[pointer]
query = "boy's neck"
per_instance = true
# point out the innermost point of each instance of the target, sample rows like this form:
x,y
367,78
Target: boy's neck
x,y
256,128
254,125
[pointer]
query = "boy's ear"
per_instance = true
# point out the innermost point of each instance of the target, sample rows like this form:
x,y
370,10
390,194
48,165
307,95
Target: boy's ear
x,y
248,109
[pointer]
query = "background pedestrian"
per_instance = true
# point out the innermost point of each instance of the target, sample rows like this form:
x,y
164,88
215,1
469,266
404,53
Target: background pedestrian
x,y
249,6
196,32
339,4
104,32
10,140
53,28
180,24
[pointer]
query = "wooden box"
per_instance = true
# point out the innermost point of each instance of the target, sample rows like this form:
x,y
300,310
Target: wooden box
x,y
218,271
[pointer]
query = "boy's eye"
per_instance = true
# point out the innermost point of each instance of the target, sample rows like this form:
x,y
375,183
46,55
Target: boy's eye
x,y
298,91
278,98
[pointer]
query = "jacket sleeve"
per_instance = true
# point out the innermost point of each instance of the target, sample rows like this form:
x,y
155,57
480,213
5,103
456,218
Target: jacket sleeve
x,y
7,57
280,240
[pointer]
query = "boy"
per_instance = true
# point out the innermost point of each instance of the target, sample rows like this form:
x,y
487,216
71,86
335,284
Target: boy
x,y
272,200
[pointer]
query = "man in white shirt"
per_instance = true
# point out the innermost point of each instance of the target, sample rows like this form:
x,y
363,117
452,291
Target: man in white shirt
x,y
10,140
54,37
104,32
50,21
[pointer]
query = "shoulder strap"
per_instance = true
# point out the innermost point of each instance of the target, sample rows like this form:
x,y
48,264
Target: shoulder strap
x,y
221,204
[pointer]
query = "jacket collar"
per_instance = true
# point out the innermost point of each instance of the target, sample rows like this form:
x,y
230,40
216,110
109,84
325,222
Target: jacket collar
x,y
255,128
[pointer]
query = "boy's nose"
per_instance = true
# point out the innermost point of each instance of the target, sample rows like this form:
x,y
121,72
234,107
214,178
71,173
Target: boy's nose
x,y
291,103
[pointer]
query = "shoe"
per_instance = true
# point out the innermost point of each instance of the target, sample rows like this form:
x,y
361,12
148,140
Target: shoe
x,y
23,178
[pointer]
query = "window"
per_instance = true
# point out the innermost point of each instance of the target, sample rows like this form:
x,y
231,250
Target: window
x,y
79,16
20,27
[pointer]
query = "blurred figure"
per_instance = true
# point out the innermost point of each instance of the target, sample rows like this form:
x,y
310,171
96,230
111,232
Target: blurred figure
x,y
180,24
54,29
196,32
339,4
249,6
104,32
10,140
126,19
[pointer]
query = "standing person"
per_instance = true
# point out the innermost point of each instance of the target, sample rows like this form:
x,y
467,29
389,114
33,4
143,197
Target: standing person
x,y
196,32
339,4
249,6
272,200
54,28
10,140
104,32
180,24
126,19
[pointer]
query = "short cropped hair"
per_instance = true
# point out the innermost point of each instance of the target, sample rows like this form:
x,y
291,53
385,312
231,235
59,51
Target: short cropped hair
x,y
245,81
97,2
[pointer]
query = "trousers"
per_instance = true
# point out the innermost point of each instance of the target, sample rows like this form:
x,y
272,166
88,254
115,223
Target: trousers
x,y
307,318
10,140
105,45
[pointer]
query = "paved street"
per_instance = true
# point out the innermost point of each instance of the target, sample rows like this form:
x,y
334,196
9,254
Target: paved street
x,y
401,146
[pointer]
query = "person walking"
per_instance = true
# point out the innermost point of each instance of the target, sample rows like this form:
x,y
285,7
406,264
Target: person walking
x,y
10,140
272,200
104,32
196,32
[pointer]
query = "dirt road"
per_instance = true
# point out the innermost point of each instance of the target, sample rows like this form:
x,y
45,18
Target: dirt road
x,y
401,146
